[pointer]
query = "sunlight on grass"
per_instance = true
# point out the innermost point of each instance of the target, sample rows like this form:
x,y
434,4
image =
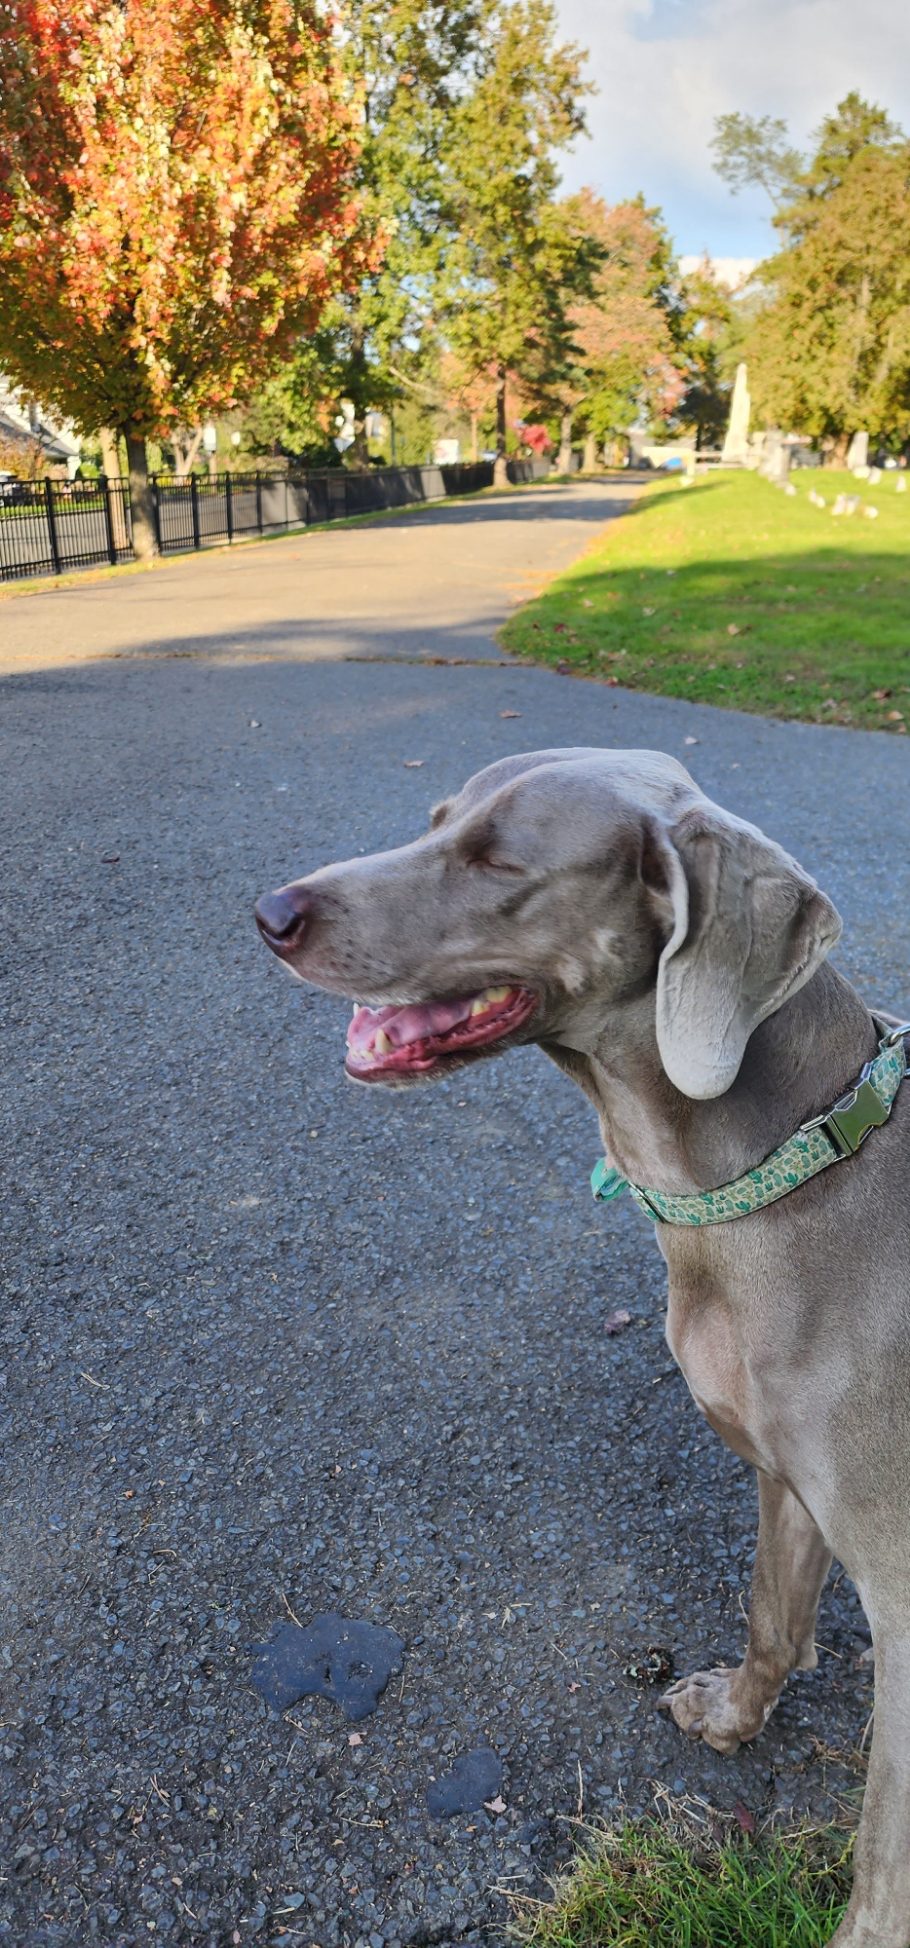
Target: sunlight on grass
x,y
657,1886
733,592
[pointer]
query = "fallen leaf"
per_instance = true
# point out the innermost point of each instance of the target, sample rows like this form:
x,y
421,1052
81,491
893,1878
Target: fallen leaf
x,y
110,858
497,1805
647,612
691,740
414,764
510,713
612,682
733,629
574,1687
880,695
559,628
255,723
744,1819
895,716
616,1322
354,1738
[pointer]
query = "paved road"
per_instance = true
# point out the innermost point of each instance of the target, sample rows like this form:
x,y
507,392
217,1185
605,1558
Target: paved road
x,y
427,583
271,1343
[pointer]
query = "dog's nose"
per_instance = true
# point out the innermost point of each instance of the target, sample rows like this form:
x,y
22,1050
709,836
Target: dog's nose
x,y
283,917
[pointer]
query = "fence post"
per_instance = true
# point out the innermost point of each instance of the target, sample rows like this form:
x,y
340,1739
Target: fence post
x,y
259,502
52,525
229,506
194,503
109,523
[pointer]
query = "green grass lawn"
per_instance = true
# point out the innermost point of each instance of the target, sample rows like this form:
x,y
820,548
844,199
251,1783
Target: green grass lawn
x,y
732,592
653,1886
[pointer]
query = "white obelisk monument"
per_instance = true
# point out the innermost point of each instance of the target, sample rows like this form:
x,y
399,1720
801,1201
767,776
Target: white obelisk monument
x,y
736,445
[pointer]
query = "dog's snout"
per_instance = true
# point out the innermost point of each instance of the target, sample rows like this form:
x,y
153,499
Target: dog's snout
x,y
283,917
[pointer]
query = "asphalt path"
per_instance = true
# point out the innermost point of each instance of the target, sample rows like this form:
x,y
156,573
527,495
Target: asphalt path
x,y
273,1346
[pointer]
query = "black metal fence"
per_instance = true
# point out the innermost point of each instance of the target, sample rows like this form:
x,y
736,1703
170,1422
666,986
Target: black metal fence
x,y
50,526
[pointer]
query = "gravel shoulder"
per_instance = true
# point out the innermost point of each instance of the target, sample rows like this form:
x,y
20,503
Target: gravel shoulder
x,y
273,1345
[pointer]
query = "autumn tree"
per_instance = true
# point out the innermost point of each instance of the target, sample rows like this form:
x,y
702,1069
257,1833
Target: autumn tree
x,y
625,331
513,264
829,350
177,204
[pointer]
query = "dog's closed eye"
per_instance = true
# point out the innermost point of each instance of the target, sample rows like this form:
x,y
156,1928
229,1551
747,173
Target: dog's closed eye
x,y
481,848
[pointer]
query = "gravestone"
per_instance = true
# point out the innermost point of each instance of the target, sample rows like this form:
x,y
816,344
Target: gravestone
x,y
775,460
858,452
735,451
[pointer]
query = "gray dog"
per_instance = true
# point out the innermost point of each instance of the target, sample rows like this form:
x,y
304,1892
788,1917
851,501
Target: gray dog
x,y
673,961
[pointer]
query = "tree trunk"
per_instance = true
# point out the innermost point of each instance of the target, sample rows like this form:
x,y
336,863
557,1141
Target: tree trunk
x,y
589,462
358,453
110,461
145,537
840,450
564,456
110,453
474,438
185,452
500,465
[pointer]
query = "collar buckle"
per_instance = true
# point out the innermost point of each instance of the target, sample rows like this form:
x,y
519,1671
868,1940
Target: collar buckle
x,y
848,1122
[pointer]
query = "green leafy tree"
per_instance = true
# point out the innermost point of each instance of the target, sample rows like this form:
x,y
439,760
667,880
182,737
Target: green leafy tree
x,y
412,61
514,262
829,350
754,150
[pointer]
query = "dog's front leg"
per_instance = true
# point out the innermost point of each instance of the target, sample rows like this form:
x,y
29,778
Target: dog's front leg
x,y
724,1706
879,1912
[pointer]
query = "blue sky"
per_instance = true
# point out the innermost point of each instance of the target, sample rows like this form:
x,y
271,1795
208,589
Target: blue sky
x,y
665,68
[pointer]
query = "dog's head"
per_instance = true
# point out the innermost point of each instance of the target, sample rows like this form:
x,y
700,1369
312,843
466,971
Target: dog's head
x,y
556,887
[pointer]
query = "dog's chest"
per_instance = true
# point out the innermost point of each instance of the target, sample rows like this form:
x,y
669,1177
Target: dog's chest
x,y
706,1346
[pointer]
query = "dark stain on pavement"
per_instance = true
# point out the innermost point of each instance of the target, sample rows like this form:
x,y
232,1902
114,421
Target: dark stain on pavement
x,y
474,1778
333,1657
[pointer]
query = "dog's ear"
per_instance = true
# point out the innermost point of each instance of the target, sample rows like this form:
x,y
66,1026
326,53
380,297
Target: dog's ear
x,y
749,927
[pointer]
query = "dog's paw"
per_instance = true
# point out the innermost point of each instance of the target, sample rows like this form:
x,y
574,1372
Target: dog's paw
x,y
711,1705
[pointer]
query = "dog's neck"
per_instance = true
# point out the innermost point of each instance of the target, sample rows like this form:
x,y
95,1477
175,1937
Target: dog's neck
x,y
796,1063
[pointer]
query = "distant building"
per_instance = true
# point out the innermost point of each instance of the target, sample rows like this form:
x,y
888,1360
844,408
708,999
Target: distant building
x,y
22,421
733,273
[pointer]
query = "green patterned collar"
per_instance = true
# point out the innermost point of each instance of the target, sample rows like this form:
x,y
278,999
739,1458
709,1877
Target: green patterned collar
x,y
826,1139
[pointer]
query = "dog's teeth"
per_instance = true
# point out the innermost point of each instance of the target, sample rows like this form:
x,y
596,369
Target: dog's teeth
x,y
479,1007
381,1043
495,994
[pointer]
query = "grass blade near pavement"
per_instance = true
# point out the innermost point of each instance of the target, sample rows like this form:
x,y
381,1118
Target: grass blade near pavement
x,y
647,1886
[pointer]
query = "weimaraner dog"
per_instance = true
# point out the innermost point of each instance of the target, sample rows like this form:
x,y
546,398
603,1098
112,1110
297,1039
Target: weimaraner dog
x,y
673,961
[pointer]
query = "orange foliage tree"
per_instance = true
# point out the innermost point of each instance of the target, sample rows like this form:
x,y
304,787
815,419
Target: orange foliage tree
x,y
628,330
177,204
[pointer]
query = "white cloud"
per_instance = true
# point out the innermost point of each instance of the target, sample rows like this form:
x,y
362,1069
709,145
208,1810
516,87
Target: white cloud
x,y
666,68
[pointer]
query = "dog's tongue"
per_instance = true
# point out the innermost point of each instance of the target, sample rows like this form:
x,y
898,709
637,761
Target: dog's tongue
x,y
415,1023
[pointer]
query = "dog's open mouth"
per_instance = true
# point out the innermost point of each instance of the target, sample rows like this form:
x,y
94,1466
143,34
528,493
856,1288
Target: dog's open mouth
x,y
412,1040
